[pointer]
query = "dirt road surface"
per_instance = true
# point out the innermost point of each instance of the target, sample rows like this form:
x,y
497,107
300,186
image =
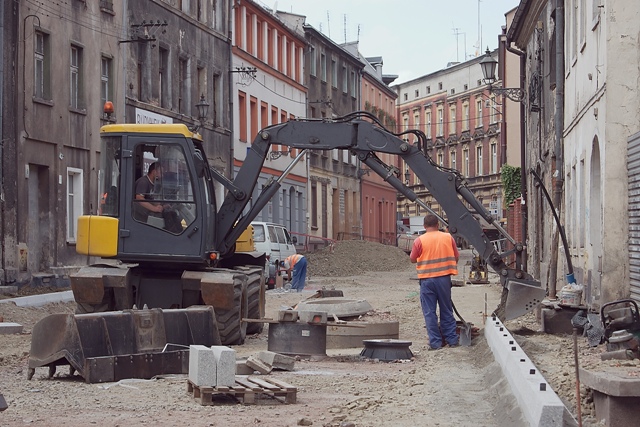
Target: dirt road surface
x,y
460,386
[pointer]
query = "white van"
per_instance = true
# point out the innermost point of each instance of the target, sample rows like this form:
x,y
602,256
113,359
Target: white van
x,y
277,244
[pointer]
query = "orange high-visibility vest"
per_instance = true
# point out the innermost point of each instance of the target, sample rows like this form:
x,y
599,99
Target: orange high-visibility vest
x,y
293,259
437,257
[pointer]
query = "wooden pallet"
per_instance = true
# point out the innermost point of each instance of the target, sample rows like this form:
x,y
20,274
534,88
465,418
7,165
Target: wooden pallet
x,y
245,389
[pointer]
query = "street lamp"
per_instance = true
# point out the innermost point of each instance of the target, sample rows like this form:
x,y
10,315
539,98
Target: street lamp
x,y
203,110
488,65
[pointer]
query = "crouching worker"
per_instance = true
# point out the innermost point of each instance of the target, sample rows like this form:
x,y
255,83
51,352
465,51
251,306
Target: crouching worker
x,y
296,264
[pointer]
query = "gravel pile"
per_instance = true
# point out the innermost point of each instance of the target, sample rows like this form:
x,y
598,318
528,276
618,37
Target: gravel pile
x,y
355,257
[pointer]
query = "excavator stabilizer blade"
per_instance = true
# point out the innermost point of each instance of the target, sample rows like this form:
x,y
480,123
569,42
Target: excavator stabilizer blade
x,y
523,297
110,346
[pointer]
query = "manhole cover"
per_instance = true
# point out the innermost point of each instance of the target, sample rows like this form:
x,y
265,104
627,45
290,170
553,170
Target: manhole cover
x,y
386,350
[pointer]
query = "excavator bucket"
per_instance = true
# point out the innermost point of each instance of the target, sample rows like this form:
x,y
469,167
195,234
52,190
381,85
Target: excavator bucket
x,y
523,297
110,346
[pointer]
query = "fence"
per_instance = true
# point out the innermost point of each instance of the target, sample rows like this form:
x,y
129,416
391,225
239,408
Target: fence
x,y
386,238
310,243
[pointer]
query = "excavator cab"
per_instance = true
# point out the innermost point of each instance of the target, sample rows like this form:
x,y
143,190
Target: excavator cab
x,y
164,221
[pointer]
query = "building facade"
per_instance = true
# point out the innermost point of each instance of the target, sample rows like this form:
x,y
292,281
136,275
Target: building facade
x,y
377,197
461,119
268,88
334,82
154,60
584,157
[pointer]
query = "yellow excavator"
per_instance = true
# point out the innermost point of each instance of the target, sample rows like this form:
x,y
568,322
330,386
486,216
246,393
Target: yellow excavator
x,y
176,264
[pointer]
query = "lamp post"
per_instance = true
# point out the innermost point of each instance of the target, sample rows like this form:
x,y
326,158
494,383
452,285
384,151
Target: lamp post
x,y
203,110
488,65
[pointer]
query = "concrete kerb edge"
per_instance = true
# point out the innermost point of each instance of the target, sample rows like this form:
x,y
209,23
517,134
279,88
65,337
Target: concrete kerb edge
x,y
539,407
39,300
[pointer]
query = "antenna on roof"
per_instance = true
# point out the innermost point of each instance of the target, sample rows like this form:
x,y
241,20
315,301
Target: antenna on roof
x,y
345,27
328,26
358,38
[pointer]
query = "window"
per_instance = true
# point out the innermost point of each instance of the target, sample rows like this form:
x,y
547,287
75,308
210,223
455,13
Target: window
x,y
217,101
440,124
416,119
417,93
428,124
440,86
75,83
163,76
479,113
452,119
164,179
453,91
595,13
74,201
42,66
466,87
492,110
406,96
479,160
494,157
334,73
428,89
345,79
242,106
465,120
106,90
183,102
253,112
354,83
280,52
312,61
260,40
264,114
465,159
323,67
314,204
106,5
452,159
440,158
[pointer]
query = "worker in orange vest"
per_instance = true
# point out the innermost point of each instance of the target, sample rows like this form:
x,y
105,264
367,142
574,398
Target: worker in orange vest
x,y
297,264
436,257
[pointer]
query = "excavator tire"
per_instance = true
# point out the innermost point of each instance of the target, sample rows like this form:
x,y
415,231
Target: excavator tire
x,y
230,325
255,280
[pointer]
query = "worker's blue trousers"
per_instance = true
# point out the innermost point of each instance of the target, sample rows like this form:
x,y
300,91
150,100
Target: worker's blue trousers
x,y
299,274
437,291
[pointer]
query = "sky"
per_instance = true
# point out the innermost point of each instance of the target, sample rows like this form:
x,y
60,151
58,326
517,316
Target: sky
x,y
413,37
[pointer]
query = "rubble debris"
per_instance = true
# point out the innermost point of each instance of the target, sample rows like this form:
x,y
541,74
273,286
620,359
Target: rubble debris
x,y
277,360
356,257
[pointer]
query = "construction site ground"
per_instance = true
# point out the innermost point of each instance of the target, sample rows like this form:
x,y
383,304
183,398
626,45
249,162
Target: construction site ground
x,y
460,386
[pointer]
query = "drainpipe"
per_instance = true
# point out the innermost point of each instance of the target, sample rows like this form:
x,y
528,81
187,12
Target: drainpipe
x,y
523,175
232,6
559,146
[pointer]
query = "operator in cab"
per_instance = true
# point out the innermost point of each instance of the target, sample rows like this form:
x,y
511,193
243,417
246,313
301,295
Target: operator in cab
x,y
144,193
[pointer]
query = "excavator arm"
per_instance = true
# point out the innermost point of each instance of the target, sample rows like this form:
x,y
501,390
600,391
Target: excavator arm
x,y
364,137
